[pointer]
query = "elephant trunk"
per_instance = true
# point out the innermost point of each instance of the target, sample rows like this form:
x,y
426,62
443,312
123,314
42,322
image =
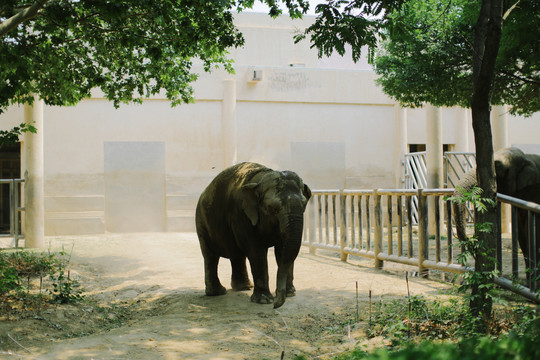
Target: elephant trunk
x,y
286,253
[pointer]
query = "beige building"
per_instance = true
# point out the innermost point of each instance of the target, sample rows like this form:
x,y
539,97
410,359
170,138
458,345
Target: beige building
x,y
142,167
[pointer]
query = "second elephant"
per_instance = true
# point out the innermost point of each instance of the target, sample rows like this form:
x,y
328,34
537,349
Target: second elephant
x,y
515,171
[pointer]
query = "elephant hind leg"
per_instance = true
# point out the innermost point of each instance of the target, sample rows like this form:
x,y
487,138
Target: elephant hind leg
x,y
240,278
211,280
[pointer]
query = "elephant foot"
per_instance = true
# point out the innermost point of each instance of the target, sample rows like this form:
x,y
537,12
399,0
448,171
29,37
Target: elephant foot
x,y
291,291
215,290
241,285
262,297
280,299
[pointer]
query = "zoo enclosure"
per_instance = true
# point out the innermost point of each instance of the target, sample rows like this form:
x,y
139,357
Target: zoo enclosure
x,y
378,224
11,209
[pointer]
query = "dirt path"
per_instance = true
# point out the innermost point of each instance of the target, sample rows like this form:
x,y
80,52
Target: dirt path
x,y
161,276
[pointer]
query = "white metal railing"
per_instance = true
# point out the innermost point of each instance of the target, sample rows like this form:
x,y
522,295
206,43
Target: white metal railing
x,y
378,224
455,165
15,209
530,215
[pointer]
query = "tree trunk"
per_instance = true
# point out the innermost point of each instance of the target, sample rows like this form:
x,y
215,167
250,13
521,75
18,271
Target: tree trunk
x,y
486,46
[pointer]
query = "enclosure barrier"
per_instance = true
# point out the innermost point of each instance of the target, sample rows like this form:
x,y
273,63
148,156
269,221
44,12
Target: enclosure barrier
x,y
15,209
531,214
378,224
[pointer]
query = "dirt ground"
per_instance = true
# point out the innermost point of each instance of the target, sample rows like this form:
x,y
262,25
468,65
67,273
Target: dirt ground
x,y
145,300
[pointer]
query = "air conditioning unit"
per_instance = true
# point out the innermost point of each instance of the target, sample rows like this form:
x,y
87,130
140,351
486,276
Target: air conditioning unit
x,y
254,75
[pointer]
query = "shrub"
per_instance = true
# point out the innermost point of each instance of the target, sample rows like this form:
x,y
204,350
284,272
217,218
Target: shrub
x,y
514,346
17,266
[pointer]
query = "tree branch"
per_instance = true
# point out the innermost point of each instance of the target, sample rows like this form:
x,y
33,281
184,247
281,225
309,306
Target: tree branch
x,y
507,13
21,16
521,78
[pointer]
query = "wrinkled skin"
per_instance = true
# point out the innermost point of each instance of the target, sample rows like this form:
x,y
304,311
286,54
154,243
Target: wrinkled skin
x,y
515,171
245,210
530,193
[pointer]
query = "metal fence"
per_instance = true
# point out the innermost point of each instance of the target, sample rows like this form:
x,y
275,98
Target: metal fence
x,y
455,164
12,209
378,224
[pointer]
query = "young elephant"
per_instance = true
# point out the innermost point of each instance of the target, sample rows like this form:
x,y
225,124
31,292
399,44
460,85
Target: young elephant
x,y
245,210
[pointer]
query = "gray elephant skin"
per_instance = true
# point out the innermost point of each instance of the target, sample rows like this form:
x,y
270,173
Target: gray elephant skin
x,y
245,210
530,193
515,171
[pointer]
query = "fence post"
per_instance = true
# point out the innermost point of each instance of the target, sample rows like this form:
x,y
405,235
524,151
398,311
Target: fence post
x,y
499,238
311,224
12,209
377,214
18,213
515,248
343,225
422,233
533,261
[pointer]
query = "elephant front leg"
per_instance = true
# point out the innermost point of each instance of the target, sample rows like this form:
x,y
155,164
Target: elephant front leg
x,y
291,290
211,280
259,270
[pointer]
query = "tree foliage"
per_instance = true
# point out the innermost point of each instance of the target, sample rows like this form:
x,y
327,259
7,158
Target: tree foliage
x,y
427,55
343,22
61,49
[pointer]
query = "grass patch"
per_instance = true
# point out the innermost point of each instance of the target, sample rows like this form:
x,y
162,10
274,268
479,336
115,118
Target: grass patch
x,y
28,279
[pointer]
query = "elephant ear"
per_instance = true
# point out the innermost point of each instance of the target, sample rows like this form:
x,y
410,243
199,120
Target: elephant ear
x,y
528,175
250,202
307,192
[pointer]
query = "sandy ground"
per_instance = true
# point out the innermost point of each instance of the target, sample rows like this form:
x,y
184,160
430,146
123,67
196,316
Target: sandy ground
x,y
161,278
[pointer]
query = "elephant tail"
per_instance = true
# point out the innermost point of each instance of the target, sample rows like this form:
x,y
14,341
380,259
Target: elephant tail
x,y
460,220
467,182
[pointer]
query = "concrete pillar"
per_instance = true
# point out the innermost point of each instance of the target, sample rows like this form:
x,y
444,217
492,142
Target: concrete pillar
x,y
499,126
462,130
434,147
34,195
434,157
228,122
400,125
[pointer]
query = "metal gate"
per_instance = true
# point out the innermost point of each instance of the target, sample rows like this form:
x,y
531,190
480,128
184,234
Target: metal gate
x,y
455,164
11,208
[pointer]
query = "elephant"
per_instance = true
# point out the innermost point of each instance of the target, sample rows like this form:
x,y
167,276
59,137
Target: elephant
x,y
530,193
245,210
515,171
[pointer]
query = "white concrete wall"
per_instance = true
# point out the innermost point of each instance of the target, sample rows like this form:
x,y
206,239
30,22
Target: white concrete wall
x,y
142,167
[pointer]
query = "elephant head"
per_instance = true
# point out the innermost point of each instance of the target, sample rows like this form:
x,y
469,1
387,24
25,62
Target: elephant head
x,y
275,204
515,170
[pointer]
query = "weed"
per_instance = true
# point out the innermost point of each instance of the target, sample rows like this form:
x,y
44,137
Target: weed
x,y
18,268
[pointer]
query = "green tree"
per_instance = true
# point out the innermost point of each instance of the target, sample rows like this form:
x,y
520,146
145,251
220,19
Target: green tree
x,y
62,49
427,57
477,74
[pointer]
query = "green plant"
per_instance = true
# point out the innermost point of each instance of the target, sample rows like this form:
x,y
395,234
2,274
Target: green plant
x,y
64,289
511,346
479,281
402,319
9,278
17,266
